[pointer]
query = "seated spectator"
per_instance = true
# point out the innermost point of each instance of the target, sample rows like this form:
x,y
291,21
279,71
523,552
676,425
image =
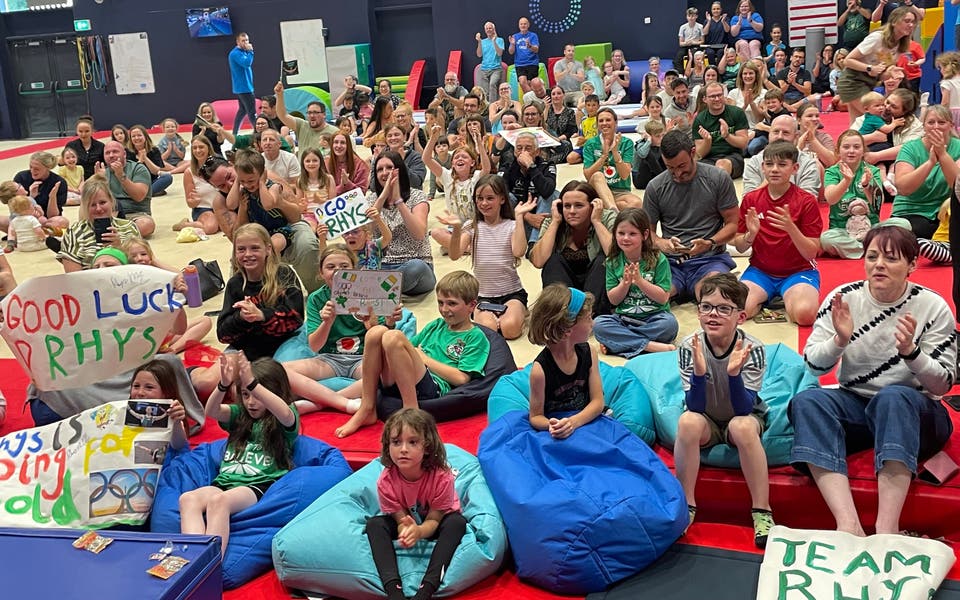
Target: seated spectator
x,y
622,69
574,242
212,127
89,150
775,43
696,67
405,211
151,157
252,140
569,74
666,91
681,110
529,176
729,68
813,140
807,178
821,71
72,173
501,105
385,90
606,163
561,119
720,132
458,182
268,108
130,185
308,131
647,160
613,85
281,165
47,190
260,199
172,146
594,76
795,82
450,96
471,106
695,205
748,95
348,169
85,237
396,141
538,91
773,102
782,224
746,27
201,195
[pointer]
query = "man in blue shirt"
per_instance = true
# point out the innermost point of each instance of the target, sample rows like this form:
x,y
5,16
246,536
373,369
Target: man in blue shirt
x,y
525,45
241,75
489,51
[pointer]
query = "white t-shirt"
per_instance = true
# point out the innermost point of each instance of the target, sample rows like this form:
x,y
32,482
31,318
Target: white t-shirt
x,y
23,226
737,96
459,194
874,51
285,165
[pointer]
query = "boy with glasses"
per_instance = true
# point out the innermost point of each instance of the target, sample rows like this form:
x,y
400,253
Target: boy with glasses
x,y
722,370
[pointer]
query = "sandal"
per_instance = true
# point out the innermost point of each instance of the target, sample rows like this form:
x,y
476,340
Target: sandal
x,y
770,316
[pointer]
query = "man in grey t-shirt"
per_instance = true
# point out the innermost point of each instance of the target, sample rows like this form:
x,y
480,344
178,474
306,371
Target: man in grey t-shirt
x,y
569,74
696,207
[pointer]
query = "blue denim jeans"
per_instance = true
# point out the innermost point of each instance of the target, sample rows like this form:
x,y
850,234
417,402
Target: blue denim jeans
x,y
162,182
628,337
418,276
899,423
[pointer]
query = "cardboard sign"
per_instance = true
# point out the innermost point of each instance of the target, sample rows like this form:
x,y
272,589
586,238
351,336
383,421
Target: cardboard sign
x,y
344,213
816,565
91,470
355,292
544,139
75,329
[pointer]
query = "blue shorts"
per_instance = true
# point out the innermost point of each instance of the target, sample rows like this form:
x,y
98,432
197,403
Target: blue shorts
x,y
777,286
686,274
196,212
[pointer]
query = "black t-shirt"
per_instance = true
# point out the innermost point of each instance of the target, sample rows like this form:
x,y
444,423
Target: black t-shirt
x,y
210,135
87,158
792,94
562,392
24,179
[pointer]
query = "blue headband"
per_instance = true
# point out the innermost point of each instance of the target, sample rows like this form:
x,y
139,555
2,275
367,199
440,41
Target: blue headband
x,y
576,303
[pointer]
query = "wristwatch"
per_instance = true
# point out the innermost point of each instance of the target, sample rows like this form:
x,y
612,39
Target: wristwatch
x,y
869,69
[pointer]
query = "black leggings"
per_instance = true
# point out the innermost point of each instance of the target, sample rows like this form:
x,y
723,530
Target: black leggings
x,y
247,107
558,270
922,226
382,530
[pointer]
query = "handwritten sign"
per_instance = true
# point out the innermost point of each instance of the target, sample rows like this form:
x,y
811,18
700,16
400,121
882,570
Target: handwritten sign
x,y
355,292
91,470
544,139
344,213
816,565
75,329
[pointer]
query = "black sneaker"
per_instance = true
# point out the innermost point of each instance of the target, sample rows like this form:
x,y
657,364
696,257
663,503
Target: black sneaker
x,y
52,243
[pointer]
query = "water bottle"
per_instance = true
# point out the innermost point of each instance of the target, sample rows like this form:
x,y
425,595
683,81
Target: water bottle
x,y
192,278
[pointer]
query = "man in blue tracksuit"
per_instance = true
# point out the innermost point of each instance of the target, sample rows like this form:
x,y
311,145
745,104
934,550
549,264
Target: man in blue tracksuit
x,y
241,75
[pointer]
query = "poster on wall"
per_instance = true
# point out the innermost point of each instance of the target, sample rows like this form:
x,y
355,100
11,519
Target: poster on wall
x,y
132,68
94,469
303,42
802,564
74,329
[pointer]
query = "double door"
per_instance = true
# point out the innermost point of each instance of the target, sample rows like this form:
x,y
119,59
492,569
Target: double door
x,y
49,83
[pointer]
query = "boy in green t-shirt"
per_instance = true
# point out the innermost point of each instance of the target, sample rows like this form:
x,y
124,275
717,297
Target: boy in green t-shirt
x,y
448,352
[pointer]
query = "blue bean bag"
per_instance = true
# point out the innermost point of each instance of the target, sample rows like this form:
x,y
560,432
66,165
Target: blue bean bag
x,y
622,392
784,378
584,512
325,550
318,468
467,399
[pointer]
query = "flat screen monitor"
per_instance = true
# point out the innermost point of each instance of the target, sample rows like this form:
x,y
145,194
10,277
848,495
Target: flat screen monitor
x,y
209,22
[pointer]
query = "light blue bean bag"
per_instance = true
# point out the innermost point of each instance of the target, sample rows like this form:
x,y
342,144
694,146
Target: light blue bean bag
x,y
622,392
584,512
784,378
319,467
324,550
297,348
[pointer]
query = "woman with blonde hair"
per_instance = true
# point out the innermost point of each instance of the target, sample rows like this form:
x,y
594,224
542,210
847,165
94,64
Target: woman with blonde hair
x,y
97,227
213,130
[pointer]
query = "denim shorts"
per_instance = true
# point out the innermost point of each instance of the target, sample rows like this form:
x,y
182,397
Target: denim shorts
x,y
342,365
899,423
776,286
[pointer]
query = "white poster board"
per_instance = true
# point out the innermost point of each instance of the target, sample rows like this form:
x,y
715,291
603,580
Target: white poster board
x,y
544,139
802,564
303,41
94,469
355,292
344,213
132,68
74,329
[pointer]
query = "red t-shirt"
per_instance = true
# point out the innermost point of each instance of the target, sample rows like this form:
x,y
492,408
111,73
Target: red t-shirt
x,y
773,251
914,53
433,491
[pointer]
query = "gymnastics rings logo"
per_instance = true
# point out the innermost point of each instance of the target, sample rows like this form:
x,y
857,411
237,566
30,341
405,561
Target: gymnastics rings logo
x,y
544,24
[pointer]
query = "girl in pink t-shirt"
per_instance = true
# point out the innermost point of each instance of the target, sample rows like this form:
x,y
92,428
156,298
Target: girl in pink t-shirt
x,y
418,500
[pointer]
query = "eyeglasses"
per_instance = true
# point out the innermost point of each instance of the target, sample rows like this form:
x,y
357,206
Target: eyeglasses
x,y
724,310
714,96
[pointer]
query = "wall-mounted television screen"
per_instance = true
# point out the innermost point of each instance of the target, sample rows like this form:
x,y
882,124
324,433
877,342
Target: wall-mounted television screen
x,y
209,22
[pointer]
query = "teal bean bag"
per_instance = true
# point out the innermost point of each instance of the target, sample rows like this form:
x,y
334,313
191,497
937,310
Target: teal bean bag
x,y
785,376
297,348
622,392
324,550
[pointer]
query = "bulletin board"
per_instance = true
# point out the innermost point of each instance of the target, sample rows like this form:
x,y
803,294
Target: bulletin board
x,y
303,41
132,69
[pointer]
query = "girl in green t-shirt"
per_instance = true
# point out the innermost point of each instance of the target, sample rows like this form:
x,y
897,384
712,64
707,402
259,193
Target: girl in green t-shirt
x,y
262,427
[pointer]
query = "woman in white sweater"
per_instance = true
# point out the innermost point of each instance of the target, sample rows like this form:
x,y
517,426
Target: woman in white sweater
x,y
896,346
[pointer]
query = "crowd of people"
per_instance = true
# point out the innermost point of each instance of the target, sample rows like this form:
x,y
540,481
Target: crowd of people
x,y
646,226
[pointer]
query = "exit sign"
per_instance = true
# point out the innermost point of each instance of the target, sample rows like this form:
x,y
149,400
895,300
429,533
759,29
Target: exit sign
x,y
81,24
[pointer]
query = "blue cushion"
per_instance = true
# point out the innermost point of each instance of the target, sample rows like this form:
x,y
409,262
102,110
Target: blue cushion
x,y
784,378
325,550
585,512
318,468
622,392
639,68
297,347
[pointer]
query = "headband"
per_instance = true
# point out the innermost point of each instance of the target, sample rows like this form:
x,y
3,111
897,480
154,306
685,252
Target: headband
x,y
114,252
576,303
